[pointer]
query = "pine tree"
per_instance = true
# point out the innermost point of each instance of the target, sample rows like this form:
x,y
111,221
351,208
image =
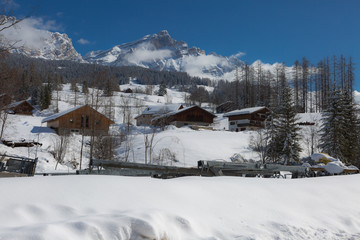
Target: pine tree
x,y
162,89
350,148
332,136
286,140
85,87
274,147
45,96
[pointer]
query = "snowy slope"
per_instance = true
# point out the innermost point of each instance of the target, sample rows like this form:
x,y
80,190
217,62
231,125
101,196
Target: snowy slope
x,y
187,146
109,207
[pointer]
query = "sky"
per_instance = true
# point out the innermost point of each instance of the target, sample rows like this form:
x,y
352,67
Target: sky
x,y
272,31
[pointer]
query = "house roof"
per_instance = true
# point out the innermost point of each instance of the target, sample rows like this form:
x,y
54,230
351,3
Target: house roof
x,y
243,111
57,115
180,111
308,117
15,104
60,114
160,109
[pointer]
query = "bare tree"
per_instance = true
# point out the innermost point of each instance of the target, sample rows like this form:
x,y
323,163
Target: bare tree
x,y
148,141
104,146
126,111
7,20
60,148
311,138
3,119
258,143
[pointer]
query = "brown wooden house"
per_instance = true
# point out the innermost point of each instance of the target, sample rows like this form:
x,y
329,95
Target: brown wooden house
x,y
83,119
247,118
193,115
22,107
226,107
152,112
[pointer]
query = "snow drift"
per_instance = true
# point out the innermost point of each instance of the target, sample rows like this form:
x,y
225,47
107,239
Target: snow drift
x,y
108,207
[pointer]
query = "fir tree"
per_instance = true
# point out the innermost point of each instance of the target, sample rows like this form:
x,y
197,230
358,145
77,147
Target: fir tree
x,y
274,147
45,96
350,147
332,132
285,142
85,87
162,89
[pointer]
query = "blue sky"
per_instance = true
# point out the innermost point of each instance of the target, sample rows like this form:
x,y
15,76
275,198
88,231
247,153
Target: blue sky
x,y
272,31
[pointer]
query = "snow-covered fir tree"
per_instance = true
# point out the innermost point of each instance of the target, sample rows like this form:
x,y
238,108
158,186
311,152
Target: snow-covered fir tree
x,y
285,142
350,148
333,127
273,146
162,89
340,130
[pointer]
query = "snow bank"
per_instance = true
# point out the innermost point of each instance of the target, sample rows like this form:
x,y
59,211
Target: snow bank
x,y
107,207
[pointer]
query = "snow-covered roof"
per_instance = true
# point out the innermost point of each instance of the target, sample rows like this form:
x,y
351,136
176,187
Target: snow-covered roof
x,y
243,111
179,111
308,117
160,109
15,104
57,115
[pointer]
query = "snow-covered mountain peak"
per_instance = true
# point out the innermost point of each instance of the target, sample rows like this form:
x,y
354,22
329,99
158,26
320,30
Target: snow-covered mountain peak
x,y
161,52
33,41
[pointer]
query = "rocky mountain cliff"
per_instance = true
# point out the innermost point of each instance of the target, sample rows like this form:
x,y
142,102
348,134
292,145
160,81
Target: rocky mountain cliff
x,y
28,39
161,52
56,47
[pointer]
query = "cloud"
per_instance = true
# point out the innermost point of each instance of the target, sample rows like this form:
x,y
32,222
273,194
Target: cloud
x,y
30,32
205,66
10,4
59,14
238,55
147,52
83,41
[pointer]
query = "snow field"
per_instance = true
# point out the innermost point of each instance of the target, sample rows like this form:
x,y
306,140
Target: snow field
x,y
109,207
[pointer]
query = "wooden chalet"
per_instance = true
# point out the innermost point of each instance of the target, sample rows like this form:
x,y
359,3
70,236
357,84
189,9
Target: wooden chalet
x,y
226,107
22,107
83,119
247,118
192,116
152,112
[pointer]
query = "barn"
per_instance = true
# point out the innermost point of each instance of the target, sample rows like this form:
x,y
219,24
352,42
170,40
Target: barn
x,y
21,107
81,119
193,115
247,119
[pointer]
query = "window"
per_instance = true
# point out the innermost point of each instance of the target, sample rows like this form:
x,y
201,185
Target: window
x,y
84,121
232,123
71,120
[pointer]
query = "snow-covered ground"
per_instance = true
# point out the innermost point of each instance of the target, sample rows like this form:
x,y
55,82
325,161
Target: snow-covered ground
x,y
187,146
112,207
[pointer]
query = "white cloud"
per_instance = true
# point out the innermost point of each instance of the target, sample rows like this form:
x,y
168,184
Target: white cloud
x,y
30,32
10,4
83,41
238,55
146,53
195,65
